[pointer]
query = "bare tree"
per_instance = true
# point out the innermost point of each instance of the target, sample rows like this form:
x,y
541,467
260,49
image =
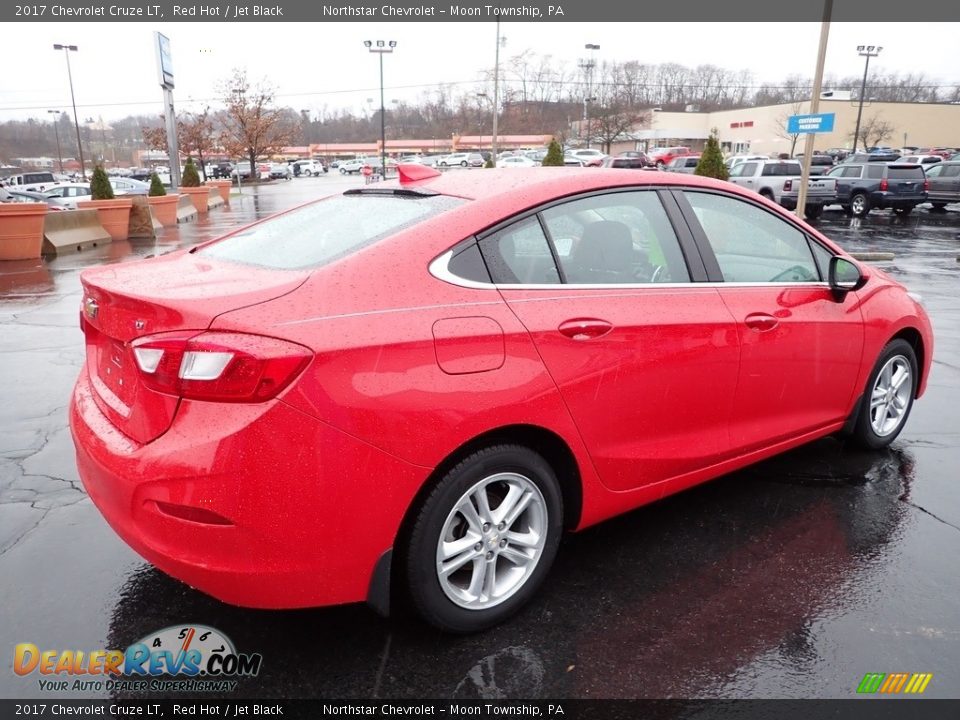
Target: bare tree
x,y
612,123
252,125
873,131
781,124
195,134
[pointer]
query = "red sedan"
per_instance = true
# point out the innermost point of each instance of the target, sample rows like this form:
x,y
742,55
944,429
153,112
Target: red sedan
x,y
416,387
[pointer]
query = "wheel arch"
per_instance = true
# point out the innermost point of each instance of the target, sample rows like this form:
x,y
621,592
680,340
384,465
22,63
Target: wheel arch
x,y
385,582
913,336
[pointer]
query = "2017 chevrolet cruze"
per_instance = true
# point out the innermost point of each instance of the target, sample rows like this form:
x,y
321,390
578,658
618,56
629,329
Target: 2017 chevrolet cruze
x,y
418,386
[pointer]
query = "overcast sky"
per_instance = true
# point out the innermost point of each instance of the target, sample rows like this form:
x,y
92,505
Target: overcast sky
x,y
312,65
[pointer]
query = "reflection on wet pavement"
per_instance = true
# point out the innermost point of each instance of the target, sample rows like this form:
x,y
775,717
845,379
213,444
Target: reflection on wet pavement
x,y
792,578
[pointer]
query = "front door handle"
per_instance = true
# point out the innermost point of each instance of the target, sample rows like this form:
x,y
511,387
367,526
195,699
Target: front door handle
x,y
761,321
585,328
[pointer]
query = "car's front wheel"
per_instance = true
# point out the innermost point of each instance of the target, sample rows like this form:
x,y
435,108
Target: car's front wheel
x,y
484,539
889,396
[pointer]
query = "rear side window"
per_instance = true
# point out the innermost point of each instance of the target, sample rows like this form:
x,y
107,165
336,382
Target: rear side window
x,y
328,230
781,169
874,172
520,254
37,178
904,173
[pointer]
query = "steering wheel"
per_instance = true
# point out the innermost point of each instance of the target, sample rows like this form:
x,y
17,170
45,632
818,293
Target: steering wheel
x,y
797,273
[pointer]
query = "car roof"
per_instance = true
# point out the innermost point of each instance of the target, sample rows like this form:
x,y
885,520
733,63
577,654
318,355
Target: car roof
x,y
525,187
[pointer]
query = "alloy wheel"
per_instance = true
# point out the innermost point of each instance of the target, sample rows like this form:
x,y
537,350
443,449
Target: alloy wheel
x,y
890,396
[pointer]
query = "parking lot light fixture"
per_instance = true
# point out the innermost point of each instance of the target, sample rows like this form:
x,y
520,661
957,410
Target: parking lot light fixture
x,y
867,51
588,66
67,49
382,47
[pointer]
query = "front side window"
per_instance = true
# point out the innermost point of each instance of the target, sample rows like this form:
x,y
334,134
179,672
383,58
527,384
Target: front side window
x,y
617,238
753,245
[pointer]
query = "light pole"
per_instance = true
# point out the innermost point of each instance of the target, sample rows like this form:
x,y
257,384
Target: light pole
x,y
867,51
496,96
588,65
381,47
56,129
67,49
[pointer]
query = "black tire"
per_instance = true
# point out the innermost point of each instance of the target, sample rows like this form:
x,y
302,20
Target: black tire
x,y
437,517
903,210
846,209
343,171
463,163
938,205
859,205
767,194
864,432
814,211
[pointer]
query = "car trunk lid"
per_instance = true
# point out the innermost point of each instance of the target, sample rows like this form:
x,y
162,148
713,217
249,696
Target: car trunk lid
x,y
173,294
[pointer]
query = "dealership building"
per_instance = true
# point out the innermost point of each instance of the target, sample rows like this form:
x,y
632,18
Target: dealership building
x,y
763,129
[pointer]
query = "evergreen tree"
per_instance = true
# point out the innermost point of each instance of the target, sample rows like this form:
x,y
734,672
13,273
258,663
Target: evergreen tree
x,y
191,178
554,156
711,161
156,187
100,188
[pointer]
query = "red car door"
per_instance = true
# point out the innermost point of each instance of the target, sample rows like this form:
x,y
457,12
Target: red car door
x,y
800,348
645,359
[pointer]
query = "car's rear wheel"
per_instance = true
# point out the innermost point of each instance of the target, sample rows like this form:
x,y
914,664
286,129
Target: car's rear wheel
x,y
484,539
859,205
938,205
889,396
814,211
903,210
343,171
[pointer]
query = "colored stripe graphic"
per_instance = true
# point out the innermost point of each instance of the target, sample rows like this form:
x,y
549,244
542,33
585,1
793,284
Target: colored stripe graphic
x,y
894,683
871,682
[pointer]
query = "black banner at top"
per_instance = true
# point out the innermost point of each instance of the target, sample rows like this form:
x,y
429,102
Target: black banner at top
x,y
226,11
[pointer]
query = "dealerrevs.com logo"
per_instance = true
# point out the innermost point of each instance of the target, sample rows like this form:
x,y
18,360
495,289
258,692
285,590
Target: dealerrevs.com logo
x,y
180,658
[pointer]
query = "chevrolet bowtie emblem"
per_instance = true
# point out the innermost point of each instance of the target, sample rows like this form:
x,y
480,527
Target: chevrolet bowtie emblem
x,y
90,307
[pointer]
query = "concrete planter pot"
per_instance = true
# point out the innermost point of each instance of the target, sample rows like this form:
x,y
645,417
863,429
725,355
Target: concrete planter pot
x,y
114,215
164,209
198,196
21,230
223,186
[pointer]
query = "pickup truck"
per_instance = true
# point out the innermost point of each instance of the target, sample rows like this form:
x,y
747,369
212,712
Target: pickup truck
x,y
779,181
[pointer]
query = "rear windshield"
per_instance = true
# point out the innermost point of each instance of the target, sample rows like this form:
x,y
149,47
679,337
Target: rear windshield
x,y
328,230
904,173
780,169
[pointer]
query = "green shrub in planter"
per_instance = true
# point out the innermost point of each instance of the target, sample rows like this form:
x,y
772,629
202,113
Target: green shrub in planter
x,y
191,178
554,156
711,160
156,187
100,188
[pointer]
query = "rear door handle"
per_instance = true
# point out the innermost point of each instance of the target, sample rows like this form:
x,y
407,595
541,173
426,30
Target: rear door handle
x,y
585,328
761,321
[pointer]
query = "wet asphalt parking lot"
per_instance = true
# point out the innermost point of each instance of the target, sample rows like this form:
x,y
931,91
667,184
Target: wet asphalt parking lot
x,y
791,579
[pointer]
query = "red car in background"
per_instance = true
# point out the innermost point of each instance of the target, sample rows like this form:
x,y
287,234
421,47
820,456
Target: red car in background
x,y
416,387
661,157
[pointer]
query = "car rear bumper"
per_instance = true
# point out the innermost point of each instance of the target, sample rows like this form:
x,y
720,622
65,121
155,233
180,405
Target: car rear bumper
x,y
881,200
790,203
257,506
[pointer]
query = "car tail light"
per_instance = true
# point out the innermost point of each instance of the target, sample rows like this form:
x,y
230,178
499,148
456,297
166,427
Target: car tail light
x,y
884,185
219,366
926,185
787,185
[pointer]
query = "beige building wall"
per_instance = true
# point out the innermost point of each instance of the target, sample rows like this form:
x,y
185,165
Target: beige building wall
x,y
761,128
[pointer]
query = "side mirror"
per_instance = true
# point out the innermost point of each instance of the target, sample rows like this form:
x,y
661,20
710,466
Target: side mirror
x,y
844,276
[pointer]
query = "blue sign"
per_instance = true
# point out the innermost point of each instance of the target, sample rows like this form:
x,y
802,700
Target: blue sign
x,y
804,124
